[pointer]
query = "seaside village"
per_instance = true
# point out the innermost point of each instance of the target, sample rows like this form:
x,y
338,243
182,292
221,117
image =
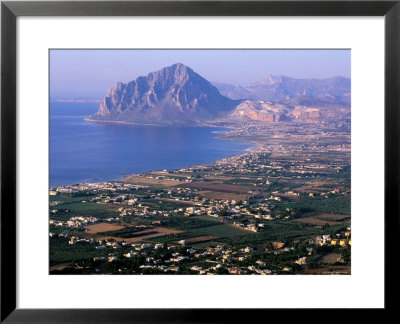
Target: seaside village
x,y
240,215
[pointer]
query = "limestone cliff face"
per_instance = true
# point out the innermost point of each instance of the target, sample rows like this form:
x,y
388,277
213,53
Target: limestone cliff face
x,y
269,112
173,94
259,110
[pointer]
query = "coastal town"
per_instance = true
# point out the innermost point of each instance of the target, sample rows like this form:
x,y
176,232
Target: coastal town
x,y
281,207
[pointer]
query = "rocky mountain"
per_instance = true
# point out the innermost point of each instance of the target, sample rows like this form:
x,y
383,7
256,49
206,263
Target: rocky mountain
x,y
178,95
175,94
264,111
261,111
280,88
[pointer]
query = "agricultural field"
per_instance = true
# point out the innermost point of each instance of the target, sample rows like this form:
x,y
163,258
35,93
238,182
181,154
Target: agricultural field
x,y
218,187
167,205
223,195
199,239
329,258
142,235
102,227
328,270
194,230
314,221
72,208
151,182
220,230
334,217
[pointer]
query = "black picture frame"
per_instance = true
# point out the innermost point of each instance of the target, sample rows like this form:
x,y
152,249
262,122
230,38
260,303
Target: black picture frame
x,y
10,10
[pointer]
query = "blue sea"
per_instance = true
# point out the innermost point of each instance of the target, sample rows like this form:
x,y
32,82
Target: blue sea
x,y
82,151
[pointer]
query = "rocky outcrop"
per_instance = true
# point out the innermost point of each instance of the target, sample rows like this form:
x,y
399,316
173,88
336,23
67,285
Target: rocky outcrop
x,y
269,112
259,110
175,94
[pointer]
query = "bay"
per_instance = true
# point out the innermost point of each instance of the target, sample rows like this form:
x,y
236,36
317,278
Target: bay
x,y
82,151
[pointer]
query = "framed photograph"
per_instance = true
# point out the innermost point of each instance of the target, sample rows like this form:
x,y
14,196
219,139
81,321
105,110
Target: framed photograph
x,y
184,161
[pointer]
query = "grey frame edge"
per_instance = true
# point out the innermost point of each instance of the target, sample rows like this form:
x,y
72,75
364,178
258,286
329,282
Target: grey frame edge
x,y
11,10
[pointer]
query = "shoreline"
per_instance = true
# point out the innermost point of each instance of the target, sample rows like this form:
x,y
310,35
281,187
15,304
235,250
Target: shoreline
x,y
252,149
117,122
123,177
121,122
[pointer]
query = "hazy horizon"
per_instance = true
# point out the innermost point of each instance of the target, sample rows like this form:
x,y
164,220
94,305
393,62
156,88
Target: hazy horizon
x,y
90,73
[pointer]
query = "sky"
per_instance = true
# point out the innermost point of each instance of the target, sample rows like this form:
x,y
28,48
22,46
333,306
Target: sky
x,y
90,73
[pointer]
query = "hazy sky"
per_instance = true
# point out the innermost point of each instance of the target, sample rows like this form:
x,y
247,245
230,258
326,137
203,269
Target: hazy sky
x,y
89,73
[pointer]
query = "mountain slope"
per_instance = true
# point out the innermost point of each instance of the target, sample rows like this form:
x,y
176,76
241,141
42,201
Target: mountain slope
x,y
269,112
175,94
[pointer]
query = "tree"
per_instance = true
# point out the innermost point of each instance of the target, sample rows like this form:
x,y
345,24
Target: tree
x,y
346,255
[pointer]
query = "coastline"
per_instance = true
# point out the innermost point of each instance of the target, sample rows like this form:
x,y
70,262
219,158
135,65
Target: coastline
x,y
116,122
253,148
88,119
123,177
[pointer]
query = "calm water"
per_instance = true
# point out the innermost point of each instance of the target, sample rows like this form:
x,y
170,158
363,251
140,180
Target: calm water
x,y
85,151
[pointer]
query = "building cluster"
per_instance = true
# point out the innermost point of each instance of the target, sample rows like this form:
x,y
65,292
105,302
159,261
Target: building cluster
x,y
342,239
93,187
212,259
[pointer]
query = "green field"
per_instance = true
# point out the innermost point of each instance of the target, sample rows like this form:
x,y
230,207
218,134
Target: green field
x,y
283,231
204,245
208,228
64,198
185,223
78,208
62,252
207,218
220,230
165,205
334,205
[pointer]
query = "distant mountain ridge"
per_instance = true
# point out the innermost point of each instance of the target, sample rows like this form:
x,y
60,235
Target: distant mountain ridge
x,y
281,88
178,95
78,100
